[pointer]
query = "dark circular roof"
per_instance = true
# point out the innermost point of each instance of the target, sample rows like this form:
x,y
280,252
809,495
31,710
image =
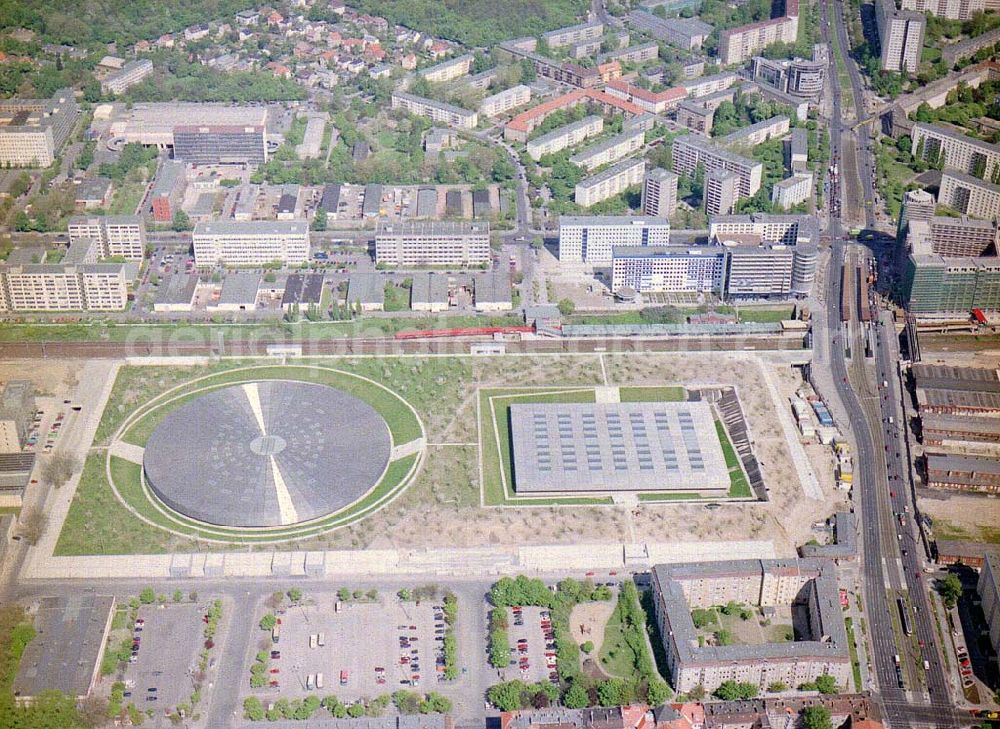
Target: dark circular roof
x,y
266,454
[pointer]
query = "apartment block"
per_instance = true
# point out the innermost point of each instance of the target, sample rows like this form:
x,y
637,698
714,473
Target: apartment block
x,y
33,131
568,135
432,244
988,588
706,85
687,33
117,236
901,36
129,75
671,269
655,103
792,191
951,9
435,110
639,53
738,45
220,144
969,195
447,70
722,190
755,134
945,147
691,150
504,101
659,193
66,286
610,150
574,34
608,183
590,238
251,243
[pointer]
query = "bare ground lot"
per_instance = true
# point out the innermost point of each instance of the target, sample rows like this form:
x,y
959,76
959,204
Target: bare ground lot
x,y
441,507
961,517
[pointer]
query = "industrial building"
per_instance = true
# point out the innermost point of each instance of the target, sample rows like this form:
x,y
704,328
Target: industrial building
x,y
590,238
956,391
659,193
437,111
574,448
251,243
738,45
806,585
969,195
118,236
975,474
901,36
153,124
129,75
17,410
366,291
218,144
239,293
429,292
33,131
953,430
445,243
610,150
302,291
691,150
503,101
176,294
447,70
722,190
687,33
168,191
568,135
614,180
673,269
491,291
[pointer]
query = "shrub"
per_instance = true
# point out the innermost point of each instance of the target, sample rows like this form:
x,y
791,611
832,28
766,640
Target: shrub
x,y
587,647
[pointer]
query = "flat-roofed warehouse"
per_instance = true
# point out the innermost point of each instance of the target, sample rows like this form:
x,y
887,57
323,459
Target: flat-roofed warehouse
x,y
154,123
617,447
66,651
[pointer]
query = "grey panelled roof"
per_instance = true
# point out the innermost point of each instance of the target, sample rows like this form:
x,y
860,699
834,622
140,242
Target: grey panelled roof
x,y
240,287
493,286
846,545
331,197
93,188
212,460
251,227
373,199
31,255
429,288
643,446
178,289
433,227
366,288
612,171
166,177
960,549
937,462
69,640
960,424
833,645
960,399
946,377
559,132
604,146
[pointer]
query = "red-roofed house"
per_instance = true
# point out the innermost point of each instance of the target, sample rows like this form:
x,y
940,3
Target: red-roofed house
x,y
610,71
279,70
656,103
275,19
439,49
409,61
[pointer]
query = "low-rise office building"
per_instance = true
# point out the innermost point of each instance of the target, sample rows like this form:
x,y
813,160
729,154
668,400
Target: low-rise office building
x,y
610,150
659,193
969,195
33,131
446,243
129,75
615,179
809,585
503,101
568,135
251,243
691,150
591,238
437,111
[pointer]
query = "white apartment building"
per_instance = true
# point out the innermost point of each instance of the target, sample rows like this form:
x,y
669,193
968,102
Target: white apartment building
x,y
792,191
435,110
901,36
757,133
722,190
955,150
610,150
119,236
608,183
649,269
573,34
969,195
448,70
251,243
129,75
951,9
691,150
659,193
705,85
738,45
32,131
568,135
445,243
591,238
61,287
504,101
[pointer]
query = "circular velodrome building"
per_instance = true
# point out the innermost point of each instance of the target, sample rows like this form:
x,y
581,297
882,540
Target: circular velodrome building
x,y
267,454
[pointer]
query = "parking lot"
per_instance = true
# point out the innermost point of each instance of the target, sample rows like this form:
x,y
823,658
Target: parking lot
x,y
533,648
400,646
169,639
50,418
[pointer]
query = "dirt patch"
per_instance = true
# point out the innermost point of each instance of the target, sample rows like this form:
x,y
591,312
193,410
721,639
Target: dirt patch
x,y
957,516
54,378
587,622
